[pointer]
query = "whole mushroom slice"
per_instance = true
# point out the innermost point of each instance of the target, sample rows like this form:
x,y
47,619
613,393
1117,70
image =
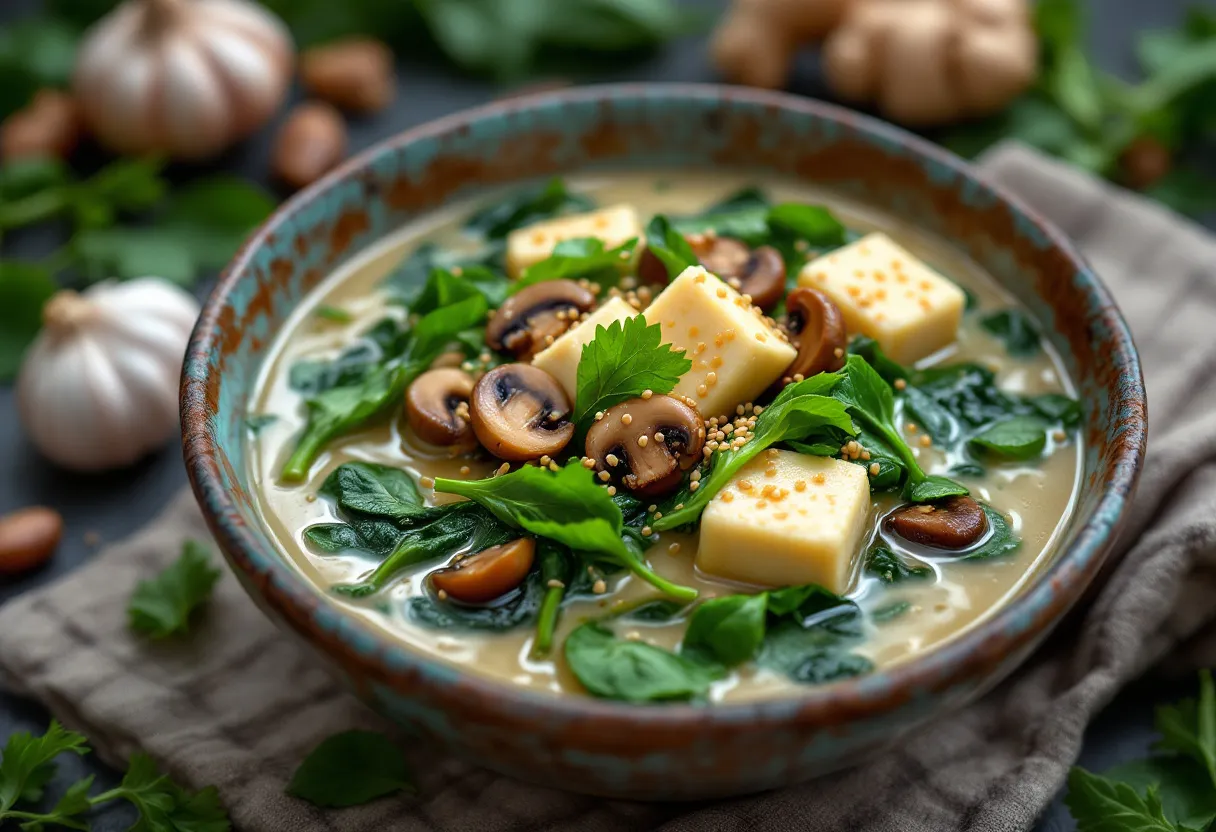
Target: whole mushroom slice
x,y
953,523
646,444
536,315
437,408
489,574
760,272
520,412
816,328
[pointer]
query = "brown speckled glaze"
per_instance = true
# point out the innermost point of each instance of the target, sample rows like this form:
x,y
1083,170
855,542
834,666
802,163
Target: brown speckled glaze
x,y
663,751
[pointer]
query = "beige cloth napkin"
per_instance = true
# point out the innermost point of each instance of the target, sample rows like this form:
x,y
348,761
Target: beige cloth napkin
x,y
239,704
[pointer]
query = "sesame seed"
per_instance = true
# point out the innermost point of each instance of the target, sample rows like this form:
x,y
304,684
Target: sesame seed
x,y
427,482
799,377
745,485
646,530
674,548
646,394
658,515
553,466
627,419
926,440
727,497
588,462
819,479
612,460
1059,436
659,437
900,384
700,278
443,595
800,485
695,476
874,469
721,292
865,455
702,390
762,504
502,469
599,587
838,352
643,440
911,428
554,583
604,476
693,486
464,470
770,472
612,491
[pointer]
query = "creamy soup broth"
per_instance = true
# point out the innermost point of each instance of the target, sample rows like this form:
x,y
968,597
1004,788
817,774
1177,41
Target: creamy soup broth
x,y
1036,497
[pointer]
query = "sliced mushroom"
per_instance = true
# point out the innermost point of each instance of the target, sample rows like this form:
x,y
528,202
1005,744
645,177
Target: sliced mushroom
x,y
532,318
758,273
520,412
489,574
953,523
816,328
645,444
437,408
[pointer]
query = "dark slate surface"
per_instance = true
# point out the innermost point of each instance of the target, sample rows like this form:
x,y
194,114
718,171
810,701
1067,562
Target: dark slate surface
x,y
112,506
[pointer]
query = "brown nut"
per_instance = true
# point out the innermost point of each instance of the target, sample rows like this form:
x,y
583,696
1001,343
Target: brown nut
x,y
28,538
1144,163
532,318
354,74
48,126
758,273
489,574
437,408
816,328
646,444
953,523
520,412
311,141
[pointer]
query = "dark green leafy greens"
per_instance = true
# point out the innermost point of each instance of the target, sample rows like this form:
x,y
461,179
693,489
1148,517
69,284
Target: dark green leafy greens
x,y
620,363
578,258
568,507
350,769
670,246
162,606
634,671
800,410
889,567
1021,437
525,207
27,766
1173,790
1014,328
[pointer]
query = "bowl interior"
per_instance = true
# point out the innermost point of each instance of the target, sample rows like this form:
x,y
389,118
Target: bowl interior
x,y
672,126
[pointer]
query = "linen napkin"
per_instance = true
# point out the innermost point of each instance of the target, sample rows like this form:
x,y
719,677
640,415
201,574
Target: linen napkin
x,y
239,704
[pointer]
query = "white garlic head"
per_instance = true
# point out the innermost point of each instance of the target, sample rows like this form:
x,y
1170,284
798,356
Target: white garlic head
x,y
186,78
98,388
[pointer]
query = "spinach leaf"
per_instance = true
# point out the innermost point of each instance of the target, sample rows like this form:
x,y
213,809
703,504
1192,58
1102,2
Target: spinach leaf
x,y
813,654
621,362
1057,408
728,629
498,220
566,506
799,411
435,532
1000,541
1013,327
444,287
887,566
346,769
634,671
581,257
872,403
375,490
336,538
743,216
651,611
410,283
516,609
868,349
813,448
1017,438
889,612
341,409
670,246
813,223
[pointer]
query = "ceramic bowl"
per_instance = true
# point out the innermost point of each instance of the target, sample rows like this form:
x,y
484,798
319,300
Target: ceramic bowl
x,y
668,751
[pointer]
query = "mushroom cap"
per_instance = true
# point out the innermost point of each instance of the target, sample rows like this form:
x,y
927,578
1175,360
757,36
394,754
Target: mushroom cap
x,y
432,405
525,322
520,412
655,466
759,273
953,523
817,329
489,574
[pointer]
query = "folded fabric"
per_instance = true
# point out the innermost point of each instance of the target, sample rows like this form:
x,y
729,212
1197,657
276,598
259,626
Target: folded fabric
x,y
239,703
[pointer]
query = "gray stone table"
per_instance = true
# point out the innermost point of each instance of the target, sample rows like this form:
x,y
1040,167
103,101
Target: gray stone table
x,y
111,506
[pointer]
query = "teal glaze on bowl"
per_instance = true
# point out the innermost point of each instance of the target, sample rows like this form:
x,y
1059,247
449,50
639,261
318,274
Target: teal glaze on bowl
x,y
672,751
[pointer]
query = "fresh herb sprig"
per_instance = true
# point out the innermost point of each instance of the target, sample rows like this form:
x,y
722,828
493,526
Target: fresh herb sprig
x,y
622,362
634,671
350,769
27,767
162,606
1174,790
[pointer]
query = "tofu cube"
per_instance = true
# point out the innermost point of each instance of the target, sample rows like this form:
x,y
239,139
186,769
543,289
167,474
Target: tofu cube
x,y
886,293
560,359
533,243
735,354
801,525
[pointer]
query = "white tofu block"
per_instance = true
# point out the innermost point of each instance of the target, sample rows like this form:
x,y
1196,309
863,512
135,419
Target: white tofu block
x,y
560,359
735,354
886,293
531,244
801,525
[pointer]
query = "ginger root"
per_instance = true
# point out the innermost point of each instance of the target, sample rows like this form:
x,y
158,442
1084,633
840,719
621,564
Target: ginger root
x,y
920,62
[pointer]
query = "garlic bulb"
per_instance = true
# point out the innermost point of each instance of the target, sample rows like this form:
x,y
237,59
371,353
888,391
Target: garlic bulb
x,y
187,78
98,387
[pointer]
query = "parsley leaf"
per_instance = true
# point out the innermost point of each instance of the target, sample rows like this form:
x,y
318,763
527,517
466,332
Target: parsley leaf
x,y
161,606
25,763
1189,727
567,506
578,257
622,362
163,805
1103,805
350,769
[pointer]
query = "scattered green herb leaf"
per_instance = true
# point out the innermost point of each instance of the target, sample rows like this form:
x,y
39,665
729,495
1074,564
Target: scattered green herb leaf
x,y
670,246
162,606
525,207
350,769
581,257
634,671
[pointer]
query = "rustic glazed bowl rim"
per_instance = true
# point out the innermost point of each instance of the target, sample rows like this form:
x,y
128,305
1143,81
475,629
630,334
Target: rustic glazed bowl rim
x,y
1042,602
